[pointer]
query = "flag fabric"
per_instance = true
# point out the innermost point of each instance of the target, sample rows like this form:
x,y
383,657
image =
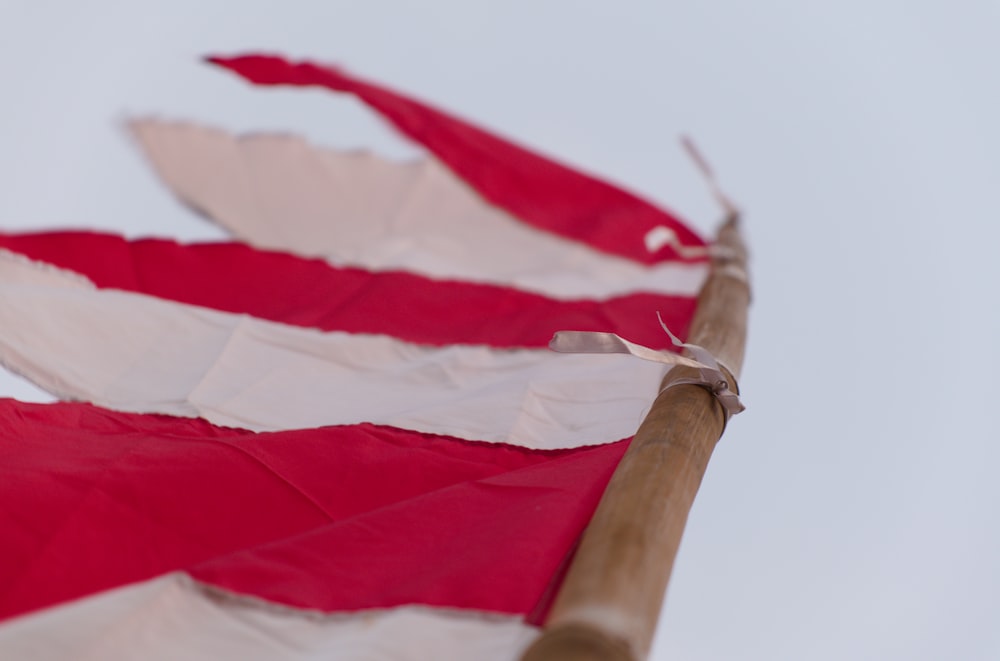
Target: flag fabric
x,y
274,191
538,191
342,436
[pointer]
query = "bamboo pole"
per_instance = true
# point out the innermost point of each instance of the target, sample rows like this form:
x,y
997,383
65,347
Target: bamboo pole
x,y
610,600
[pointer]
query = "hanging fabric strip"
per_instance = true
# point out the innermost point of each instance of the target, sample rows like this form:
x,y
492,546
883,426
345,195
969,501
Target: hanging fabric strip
x,y
712,375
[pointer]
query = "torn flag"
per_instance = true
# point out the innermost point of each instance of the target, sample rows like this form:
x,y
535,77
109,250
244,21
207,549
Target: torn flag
x,y
341,434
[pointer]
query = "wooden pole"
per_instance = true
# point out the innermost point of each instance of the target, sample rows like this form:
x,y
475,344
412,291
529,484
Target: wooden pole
x,y
610,600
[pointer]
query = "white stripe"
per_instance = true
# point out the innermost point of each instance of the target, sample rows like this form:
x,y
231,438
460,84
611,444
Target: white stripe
x,y
277,192
174,617
137,353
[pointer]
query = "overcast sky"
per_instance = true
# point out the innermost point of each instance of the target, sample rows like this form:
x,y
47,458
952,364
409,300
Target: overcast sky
x,y
853,512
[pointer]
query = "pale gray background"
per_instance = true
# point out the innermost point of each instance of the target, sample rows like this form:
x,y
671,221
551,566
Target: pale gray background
x,y
851,512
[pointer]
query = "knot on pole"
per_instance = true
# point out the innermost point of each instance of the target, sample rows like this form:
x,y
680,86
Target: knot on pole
x,y
712,374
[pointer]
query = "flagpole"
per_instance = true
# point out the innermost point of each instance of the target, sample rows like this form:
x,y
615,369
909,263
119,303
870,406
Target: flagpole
x,y
610,600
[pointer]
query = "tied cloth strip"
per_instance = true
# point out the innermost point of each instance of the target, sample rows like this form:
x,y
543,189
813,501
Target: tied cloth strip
x,y
662,235
710,372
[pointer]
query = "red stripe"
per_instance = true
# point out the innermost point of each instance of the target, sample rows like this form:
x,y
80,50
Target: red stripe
x,y
337,518
308,292
533,188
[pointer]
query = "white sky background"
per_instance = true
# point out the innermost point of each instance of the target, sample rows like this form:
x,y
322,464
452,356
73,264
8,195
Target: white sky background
x,y
852,512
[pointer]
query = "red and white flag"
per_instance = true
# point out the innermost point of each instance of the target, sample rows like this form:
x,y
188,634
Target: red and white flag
x,y
341,436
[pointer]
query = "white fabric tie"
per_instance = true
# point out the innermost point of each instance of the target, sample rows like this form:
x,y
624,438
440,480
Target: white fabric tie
x,y
710,370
